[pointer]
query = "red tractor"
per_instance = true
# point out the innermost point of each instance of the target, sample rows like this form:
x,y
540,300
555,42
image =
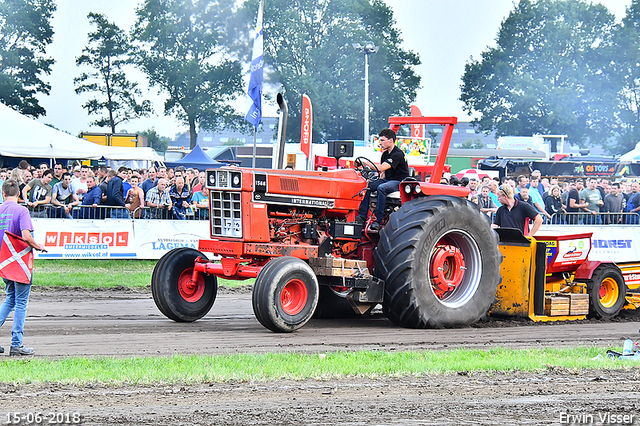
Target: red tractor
x,y
435,263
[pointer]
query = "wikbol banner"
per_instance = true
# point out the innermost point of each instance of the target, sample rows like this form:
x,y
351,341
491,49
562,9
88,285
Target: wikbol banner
x,y
115,239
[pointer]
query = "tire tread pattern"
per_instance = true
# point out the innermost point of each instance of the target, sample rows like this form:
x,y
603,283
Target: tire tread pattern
x,y
400,246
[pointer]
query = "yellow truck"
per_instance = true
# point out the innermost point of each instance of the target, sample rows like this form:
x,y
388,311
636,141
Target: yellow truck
x,y
131,140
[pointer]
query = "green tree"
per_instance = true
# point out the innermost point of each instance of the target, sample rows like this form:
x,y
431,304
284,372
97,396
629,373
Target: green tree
x,y
182,52
155,141
233,142
627,73
108,53
471,144
547,74
25,32
308,50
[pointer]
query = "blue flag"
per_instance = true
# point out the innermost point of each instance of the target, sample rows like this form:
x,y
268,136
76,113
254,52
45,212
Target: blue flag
x,y
255,81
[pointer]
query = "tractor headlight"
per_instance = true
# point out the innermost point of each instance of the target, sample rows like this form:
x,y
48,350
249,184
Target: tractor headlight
x,y
407,189
417,189
236,180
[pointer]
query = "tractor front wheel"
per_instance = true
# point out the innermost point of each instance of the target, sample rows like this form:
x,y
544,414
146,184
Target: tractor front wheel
x,y
175,293
285,294
607,292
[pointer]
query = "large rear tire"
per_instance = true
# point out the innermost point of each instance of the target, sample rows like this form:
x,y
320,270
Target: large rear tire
x,y
175,295
285,294
607,291
440,261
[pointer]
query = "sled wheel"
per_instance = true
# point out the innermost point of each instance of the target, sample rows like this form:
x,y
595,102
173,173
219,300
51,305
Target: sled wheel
x,y
175,295
607,292
440,261
285,294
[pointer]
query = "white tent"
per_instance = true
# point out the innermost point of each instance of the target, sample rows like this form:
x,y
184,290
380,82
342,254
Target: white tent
x,y
23,137
633,155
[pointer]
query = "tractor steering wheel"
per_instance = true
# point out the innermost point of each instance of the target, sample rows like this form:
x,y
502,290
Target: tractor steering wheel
x,y
369,170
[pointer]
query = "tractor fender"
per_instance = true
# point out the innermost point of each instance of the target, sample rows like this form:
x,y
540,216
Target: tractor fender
x,y
585,271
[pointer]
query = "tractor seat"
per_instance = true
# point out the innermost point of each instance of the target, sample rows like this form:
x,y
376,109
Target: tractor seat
x,y
394,195
412,174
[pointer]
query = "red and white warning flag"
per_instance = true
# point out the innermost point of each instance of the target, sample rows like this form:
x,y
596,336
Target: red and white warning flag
x,y
16,259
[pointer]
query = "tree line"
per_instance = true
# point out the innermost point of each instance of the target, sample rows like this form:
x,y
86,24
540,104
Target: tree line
x,y
196,52
558,67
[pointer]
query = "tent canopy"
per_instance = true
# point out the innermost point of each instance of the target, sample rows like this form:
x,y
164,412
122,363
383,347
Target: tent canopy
x,y
197,158
24,137
633,155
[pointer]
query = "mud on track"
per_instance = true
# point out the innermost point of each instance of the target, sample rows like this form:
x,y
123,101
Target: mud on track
x,y
125,323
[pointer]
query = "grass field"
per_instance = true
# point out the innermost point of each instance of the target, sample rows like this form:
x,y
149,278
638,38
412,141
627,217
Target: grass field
x,y
243,367
101,273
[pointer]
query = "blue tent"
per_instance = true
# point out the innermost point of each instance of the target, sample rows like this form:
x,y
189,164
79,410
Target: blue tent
x,y
197,158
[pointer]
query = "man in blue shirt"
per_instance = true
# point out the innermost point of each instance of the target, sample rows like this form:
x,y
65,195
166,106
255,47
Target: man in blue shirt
x,y
180,198
90,201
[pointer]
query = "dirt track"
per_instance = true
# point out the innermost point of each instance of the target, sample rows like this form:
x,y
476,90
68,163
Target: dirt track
x,y
118,323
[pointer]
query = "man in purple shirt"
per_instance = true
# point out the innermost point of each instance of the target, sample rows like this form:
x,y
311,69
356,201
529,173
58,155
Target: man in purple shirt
x,y
15,219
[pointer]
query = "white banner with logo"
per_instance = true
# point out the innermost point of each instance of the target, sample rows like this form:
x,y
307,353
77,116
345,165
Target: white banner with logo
x,y
115,238
618,244
154,238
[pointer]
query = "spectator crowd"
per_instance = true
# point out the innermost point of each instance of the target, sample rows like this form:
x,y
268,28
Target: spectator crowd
x,y
84,192
597,201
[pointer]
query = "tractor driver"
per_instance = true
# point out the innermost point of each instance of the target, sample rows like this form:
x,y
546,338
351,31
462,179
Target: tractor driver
x,y
393,169
515,214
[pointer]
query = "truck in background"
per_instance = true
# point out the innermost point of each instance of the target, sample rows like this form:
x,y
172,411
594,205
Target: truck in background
x,y
130,140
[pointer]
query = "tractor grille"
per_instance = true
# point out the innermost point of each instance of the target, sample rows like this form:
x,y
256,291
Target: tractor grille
x,y
289,184
226,214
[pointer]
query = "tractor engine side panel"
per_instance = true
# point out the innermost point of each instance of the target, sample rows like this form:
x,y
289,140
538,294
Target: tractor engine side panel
x,y
337,190
244,202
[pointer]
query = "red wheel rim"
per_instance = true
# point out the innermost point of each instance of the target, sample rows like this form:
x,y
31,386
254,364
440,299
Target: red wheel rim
x,y
293,297
189,290
447,269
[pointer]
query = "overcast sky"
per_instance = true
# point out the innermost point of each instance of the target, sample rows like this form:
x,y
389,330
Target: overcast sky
x,y
445,33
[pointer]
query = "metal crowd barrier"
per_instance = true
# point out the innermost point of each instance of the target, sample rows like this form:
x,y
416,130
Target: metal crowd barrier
x,y
604,218
582,218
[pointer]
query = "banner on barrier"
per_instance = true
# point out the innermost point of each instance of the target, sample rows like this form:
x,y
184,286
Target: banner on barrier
x,y
155,238
608,243
85,239
115,239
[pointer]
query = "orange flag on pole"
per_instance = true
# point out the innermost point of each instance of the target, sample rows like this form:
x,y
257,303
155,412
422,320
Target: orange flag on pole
x,y
306,132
